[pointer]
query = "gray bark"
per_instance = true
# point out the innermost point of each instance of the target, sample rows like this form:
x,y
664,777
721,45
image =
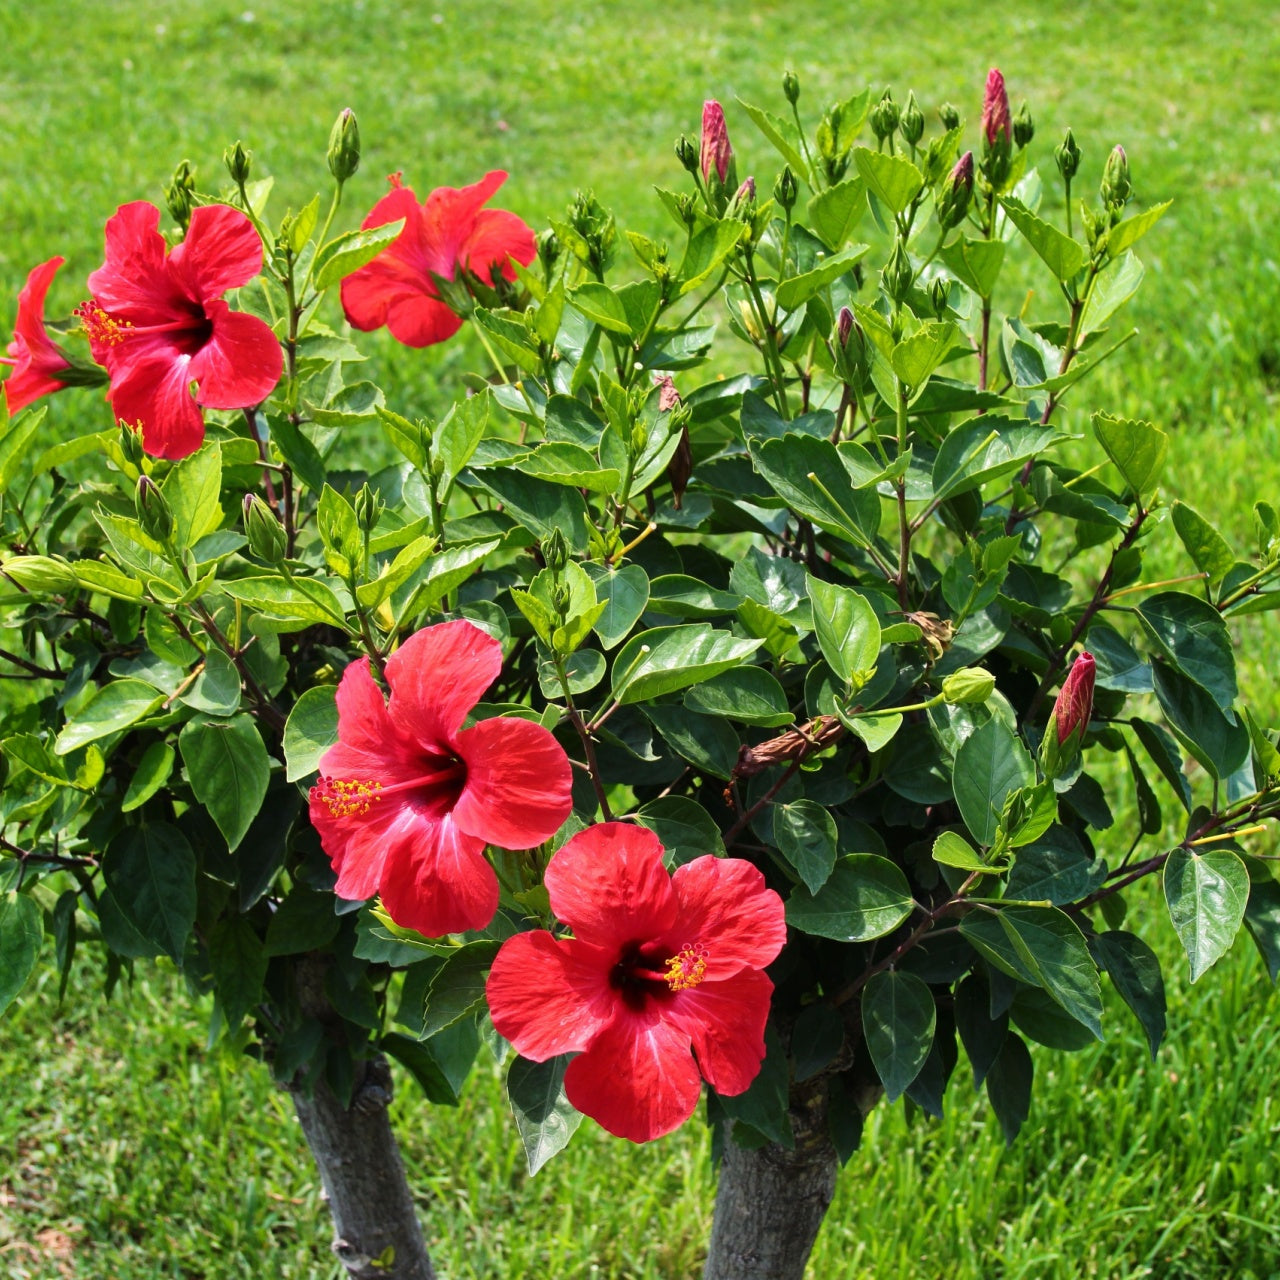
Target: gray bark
x,y
364,1179
771,1201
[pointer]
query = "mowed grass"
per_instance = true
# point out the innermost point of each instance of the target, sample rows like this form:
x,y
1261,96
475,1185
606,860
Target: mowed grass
x,y
134,1150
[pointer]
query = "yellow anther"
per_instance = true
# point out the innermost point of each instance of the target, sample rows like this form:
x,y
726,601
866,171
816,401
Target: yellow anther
x,y
346,797
100,326
686,969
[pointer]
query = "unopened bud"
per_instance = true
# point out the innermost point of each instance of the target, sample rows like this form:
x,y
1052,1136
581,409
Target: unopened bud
x,y
555,552
687,153
639,438
131,445
996,122
743,204
898,274
1069,719
968,685
369,507
884,116
561,597
344,146
548,250
850,347
716,153
1067,155
266,535
238,162
1024,128
949,116
687,208
912,123
791,87
153,511
939,293
957,192
785,189
179,194
1116,186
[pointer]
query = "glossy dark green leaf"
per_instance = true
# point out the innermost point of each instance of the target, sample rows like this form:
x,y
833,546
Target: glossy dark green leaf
x,y
1204,544
458,986
685,829
304,921
848,630
1220,744
808,475
545,1118
625,593
746,694
1135,971
151,774
865,897
706,742
312,728
238,963
1009,1086
216,689
991,764
418,1059
1207,894
1160,745
1262,919
805,834
816,1038
114,707
151,872
981,1034
666,659
1191,634
1137,448
898,1019
227,767
21,933
1054,868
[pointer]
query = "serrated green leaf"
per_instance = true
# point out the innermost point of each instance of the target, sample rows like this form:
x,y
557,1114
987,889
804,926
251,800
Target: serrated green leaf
x,y
1062,255
1206,894
351,250
893,180
1137,448
545,1119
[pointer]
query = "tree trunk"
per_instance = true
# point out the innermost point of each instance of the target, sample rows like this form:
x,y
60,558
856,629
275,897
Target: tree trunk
x,y
378,1236
771,1201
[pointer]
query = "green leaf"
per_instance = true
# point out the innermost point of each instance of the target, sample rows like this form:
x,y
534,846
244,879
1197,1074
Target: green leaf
x,y
707,742
458,436
805,834
877,731
1190,632
680,596
1135,971
953,850
982,1034
151,774
539,505
151,872
707,249
1009,1086
848,631
865,897
835,212
570,464
217,688
601,304
304,921
1055,869
625,593
227,767
458,986
1053,948
765,1107
664,659
898,1020
975,263
350,251
1112,288
685,829
784,136
1207,894
21,933
192,489
809,476
1160,745
545,1119
1062,255
418,1059
984,448
1262,919
1220,744
1204,544
115,707
1137,448
915,358
749,695
990,765
14,445
816,1039
1124,235
893,180
238,964
107,580
312,728
794,292
298,600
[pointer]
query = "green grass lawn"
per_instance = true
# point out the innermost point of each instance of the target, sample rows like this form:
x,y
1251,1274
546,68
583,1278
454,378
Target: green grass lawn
x,y
135,1151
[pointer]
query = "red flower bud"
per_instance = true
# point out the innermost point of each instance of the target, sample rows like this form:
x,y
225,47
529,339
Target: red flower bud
x,y
716,151
997,120
1075,701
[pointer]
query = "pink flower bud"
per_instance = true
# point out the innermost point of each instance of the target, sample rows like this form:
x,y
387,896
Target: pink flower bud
x,y
1075,701
962,174
997,119
844,326
716,151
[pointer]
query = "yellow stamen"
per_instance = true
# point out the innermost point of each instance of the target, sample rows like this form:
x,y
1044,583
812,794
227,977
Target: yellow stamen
x,y
687,968
100,326
347,797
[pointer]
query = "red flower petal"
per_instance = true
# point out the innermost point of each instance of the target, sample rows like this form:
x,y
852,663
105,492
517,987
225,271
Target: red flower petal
x,y
725,904
726,1022
448,219
156,393
397,272
436,880
241,362
638,1078
420,319
497,237
134,283
220,251
519,783
36,358
549,996
437,676
609,885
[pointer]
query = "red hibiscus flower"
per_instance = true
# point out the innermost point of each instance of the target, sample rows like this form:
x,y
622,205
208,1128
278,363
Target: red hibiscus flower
x,y
661,982
158,324
37,361
450,232
407,798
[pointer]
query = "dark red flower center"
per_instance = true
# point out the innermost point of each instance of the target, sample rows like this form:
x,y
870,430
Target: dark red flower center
x,y
444,777
642,973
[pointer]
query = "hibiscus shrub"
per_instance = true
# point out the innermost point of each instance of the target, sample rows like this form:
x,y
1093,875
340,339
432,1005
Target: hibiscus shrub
x,y
682,698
